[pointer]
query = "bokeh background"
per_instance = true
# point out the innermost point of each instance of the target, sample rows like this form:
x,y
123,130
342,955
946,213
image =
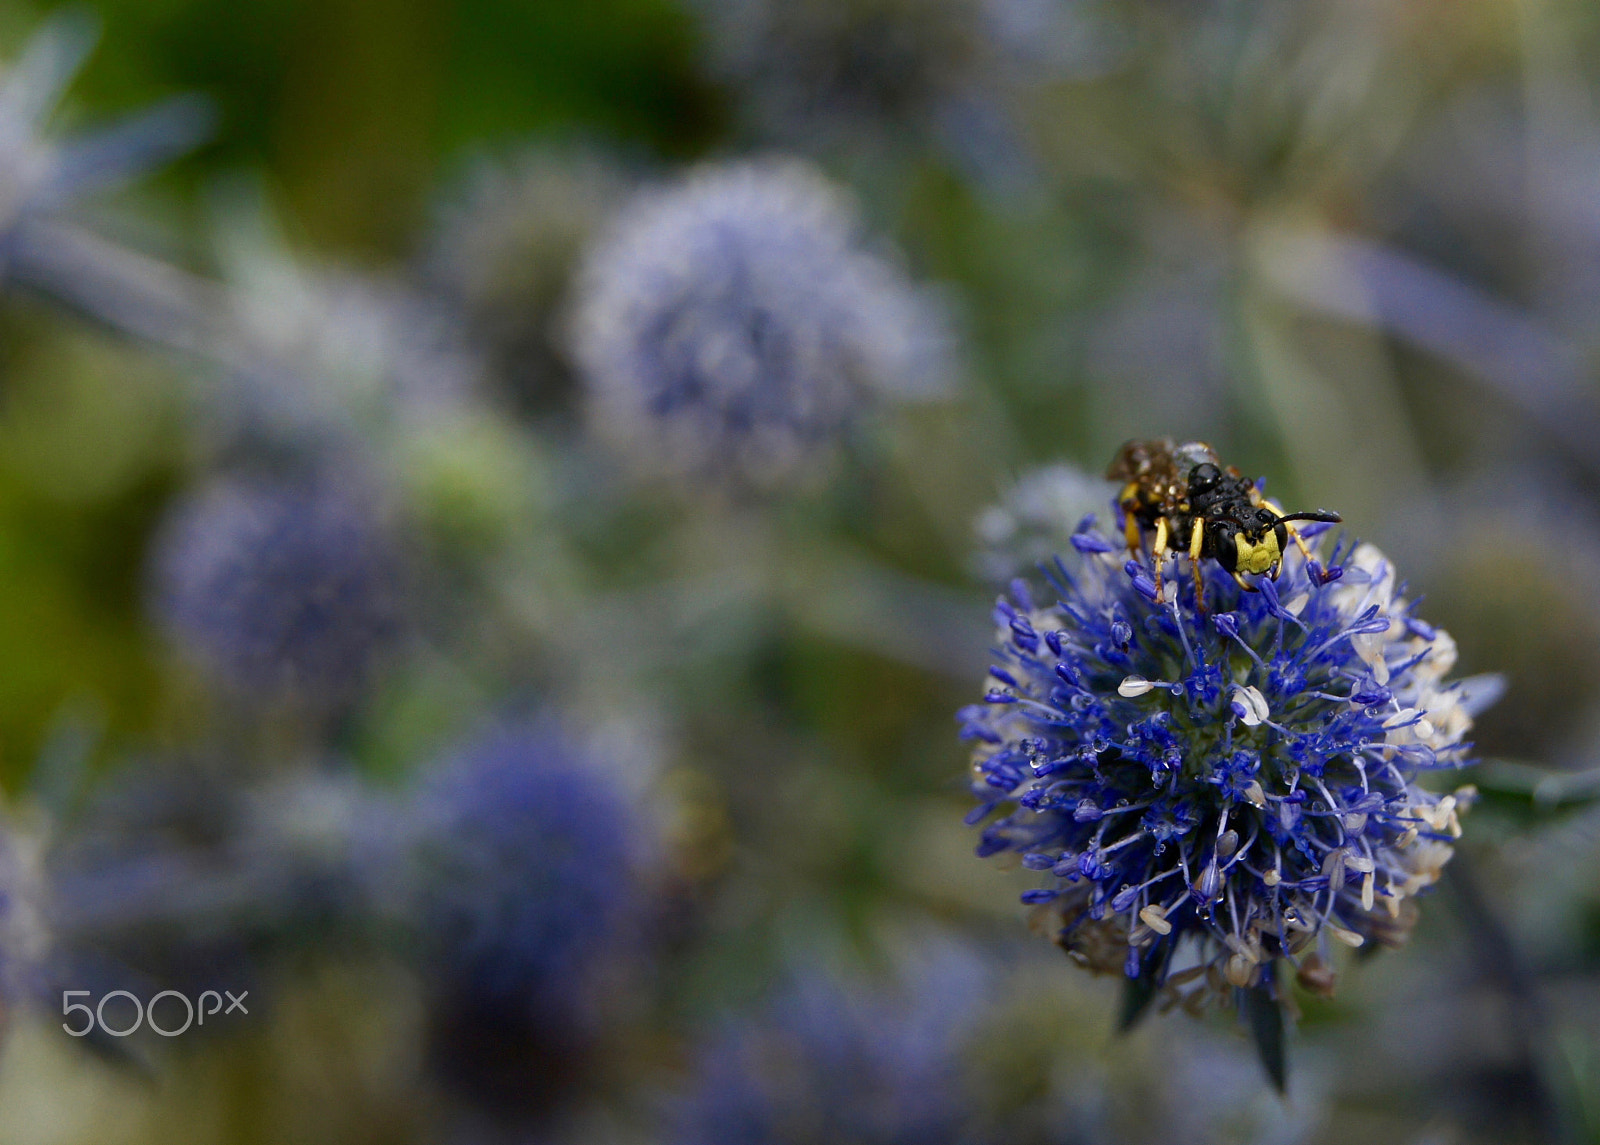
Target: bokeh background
x,y
365,643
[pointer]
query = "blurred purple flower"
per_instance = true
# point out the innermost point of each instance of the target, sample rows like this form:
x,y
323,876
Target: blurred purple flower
x,y
1216,794
732,327
286,589
1037,518
827,1062
523,867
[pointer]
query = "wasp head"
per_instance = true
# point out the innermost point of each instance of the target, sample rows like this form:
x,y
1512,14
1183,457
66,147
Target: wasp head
x,y
1251,543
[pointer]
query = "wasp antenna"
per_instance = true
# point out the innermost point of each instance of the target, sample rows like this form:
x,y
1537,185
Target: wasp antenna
x,y
1327,515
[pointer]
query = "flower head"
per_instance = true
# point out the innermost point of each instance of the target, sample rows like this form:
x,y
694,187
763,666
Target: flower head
x,y
732,328
523,875
523,861
286,589
1215,793
829,1063
1035,519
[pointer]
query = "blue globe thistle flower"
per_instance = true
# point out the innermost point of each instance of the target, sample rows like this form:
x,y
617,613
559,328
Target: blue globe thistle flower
x,y
1218,796
285,589
830,1063
1035,519
523,868
732,328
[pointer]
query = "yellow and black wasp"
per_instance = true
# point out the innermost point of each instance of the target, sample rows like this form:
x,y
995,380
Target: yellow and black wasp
x,y
1183,493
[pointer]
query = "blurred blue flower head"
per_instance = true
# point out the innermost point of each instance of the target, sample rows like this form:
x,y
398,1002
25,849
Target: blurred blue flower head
x,y
522,886
1218,794
525,871
826,1062
286,589
732,327
1035,519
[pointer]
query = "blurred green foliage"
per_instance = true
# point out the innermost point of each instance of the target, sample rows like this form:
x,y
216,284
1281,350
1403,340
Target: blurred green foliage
x,y
355,106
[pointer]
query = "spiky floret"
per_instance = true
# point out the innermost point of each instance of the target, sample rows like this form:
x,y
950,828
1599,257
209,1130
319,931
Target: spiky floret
x,y
1219,793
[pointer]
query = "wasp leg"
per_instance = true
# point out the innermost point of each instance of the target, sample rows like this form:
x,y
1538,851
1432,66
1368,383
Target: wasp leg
x,y
1197,536
1160,553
